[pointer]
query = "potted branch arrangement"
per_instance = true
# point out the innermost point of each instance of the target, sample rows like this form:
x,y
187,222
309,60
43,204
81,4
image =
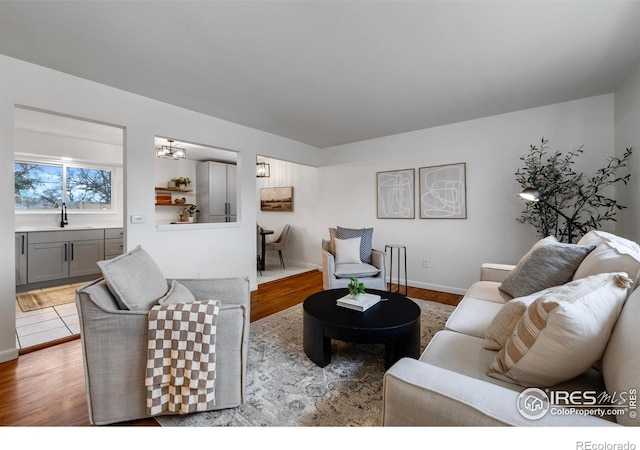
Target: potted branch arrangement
x,y
570,203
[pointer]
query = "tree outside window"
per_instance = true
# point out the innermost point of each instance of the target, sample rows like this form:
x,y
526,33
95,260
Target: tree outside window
x,y
88,188
41,186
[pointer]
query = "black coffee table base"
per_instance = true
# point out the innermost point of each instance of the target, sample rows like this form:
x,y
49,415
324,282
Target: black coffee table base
x,y
400,337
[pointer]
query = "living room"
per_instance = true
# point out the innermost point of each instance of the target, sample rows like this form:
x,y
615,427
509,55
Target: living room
x,y
335,184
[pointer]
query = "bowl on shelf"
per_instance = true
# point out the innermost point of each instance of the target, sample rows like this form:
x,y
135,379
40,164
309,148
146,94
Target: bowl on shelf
x,y
180,201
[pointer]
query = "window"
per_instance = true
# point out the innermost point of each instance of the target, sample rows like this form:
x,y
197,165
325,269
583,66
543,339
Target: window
x,y
44,186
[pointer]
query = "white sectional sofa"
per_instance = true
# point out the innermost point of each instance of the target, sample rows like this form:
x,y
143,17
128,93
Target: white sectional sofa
x,y
450,384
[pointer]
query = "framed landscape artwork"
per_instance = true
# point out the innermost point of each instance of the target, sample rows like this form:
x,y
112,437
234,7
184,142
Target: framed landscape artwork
x,y
276,199
396,194
443,192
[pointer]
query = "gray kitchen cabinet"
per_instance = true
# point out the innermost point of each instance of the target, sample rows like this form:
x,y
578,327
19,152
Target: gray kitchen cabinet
x,y
113,242
83,257
21,259
47,261
54,255
216,191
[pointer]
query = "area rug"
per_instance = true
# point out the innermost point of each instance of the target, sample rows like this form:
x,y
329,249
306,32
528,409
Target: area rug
x,y
44,298
284,388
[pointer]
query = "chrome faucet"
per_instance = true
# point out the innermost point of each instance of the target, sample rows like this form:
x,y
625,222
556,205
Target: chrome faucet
x,y
63,215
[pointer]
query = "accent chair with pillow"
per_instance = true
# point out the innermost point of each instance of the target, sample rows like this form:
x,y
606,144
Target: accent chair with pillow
x,y
115,312
349,253
565,318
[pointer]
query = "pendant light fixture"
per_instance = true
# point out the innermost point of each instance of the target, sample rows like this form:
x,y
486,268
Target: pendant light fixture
x,y
170,152
263,170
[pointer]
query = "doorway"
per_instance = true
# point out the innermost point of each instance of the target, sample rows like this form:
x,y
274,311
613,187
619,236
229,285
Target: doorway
x,y
68,178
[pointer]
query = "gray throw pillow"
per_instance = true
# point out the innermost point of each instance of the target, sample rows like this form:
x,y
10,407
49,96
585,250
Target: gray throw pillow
x,y
178,293
134,279
549,263
366,241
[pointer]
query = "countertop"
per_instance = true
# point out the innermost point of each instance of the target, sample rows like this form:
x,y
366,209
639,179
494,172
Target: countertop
x,y
66,228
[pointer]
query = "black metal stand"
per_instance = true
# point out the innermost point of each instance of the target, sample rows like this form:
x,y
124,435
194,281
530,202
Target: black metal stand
x,y
402,251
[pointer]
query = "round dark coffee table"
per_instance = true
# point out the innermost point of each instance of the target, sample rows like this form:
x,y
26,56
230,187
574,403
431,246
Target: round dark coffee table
x,y
394,322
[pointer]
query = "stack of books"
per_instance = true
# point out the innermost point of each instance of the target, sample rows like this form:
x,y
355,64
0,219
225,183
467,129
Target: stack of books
x,y
364,302
163,199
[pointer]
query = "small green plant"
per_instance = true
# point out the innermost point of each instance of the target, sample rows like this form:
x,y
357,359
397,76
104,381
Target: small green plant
x,y
191,210
181,181
355,287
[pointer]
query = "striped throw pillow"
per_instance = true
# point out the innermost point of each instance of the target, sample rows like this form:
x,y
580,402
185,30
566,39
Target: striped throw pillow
x,y
501,327
563,333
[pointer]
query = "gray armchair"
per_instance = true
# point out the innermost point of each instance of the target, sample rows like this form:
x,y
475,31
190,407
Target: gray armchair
x,y
337,275
114,346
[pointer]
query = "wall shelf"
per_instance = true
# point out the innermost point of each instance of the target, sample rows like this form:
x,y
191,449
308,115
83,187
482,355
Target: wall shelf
x,y
168,189
175,204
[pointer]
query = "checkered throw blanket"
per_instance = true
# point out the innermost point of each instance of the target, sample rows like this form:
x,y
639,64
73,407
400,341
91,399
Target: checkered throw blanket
x,y
181,359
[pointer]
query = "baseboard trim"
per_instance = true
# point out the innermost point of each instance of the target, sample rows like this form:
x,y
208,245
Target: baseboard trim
x,y
429,286
416,284
294,263
9,354
436,287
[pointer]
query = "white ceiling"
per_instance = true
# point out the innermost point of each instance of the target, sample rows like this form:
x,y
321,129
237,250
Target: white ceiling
x,y
328,72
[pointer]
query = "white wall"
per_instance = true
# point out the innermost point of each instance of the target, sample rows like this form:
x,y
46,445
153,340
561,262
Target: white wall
x,y
343,191
224,250
41,143
627,119
491,148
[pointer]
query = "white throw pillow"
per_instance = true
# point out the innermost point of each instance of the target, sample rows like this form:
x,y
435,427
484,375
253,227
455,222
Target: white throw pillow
x,y
612,254
563,333
366,240
347,251
595,237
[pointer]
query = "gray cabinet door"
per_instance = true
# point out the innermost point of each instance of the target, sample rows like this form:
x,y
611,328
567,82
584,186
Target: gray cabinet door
x,y
83,256
47,261
231,192
21,259
217,189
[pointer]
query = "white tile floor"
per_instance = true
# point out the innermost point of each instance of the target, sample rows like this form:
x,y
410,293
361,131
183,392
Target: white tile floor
x,y
45,325
57,322
274,271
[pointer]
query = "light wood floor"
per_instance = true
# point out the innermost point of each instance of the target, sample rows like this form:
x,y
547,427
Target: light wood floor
x,y
46,387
